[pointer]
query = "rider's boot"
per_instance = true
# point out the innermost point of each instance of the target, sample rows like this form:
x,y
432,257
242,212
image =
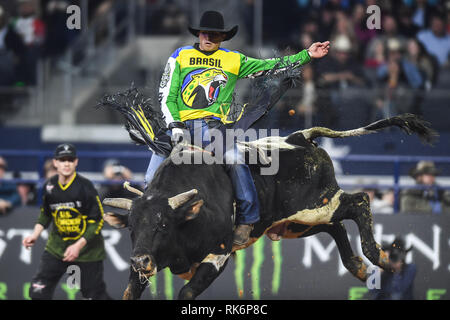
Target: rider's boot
x,y
242,234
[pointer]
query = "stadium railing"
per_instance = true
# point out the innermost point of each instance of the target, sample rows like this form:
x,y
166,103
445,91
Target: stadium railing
x,y
396,161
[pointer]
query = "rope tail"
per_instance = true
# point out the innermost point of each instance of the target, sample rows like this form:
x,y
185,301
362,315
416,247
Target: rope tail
x,y
144,122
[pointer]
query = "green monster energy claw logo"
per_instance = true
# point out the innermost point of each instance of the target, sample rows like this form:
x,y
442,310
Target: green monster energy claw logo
x,y
255,272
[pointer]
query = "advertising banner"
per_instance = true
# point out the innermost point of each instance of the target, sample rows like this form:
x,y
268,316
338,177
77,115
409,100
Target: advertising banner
x,y
308,268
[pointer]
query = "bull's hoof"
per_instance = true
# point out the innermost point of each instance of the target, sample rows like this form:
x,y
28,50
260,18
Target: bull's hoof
x,y
361,273
276,232
383,261
186,293
274,236
127,294
357,267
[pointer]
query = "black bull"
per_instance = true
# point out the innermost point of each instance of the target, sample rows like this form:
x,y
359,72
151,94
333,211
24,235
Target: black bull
x,y
184,220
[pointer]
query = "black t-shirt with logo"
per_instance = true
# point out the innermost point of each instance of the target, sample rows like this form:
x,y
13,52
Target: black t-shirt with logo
x,y
76,211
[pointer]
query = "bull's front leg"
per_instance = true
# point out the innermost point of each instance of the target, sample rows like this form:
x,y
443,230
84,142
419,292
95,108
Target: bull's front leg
x,y
135,287
210,268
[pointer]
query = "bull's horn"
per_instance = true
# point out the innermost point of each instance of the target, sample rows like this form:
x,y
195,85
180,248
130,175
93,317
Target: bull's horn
x,y
121,203
182,198
127,186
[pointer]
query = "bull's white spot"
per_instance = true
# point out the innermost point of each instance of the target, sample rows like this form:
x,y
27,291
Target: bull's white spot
x,y
319,215
312,217
217,260
267,144
263,145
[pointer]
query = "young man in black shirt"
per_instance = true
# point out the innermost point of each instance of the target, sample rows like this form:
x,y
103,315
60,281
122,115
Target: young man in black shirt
x,y
71,202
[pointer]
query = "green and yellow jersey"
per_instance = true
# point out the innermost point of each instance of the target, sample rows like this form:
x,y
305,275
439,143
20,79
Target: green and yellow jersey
x,y
76,211
196,84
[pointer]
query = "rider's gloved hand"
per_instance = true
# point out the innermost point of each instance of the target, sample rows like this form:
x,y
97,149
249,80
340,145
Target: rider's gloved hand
x,y
176,128
177,136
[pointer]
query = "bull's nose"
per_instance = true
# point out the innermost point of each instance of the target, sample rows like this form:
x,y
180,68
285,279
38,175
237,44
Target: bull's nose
x,y
143,263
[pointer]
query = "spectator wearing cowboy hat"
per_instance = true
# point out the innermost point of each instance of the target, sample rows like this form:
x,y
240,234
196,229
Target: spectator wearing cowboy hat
x,y
398,284
430,199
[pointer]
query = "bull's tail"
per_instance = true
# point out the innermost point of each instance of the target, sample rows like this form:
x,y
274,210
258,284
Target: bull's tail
x,y
408,122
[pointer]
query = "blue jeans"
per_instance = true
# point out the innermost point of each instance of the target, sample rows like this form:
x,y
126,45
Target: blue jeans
x,y
247,202
155,162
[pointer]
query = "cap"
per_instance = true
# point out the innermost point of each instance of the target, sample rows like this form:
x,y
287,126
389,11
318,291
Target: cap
x,y
65,150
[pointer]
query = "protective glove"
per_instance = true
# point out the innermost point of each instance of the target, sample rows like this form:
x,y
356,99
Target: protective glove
x,y
177,136
176,128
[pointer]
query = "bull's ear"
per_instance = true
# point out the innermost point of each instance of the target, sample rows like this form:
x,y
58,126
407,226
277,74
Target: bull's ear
x,y
115,220
193,210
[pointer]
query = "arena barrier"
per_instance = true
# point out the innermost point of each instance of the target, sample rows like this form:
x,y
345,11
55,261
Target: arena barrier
x,y
307,268
396,164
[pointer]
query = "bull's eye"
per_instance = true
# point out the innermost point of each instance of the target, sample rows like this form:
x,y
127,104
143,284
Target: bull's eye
x,y
161,226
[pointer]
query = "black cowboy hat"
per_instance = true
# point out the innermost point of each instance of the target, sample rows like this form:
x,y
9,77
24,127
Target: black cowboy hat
x,y
397,249
424,167
213,21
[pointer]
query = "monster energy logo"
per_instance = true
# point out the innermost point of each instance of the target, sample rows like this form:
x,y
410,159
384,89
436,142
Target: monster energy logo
x,y
241,273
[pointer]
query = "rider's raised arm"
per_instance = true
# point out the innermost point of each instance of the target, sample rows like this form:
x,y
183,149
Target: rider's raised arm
x,y
252,67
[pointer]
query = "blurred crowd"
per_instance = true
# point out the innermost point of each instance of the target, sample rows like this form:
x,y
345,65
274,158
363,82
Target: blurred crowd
x,y
32,29
425,196
21,40
393,68
399,62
